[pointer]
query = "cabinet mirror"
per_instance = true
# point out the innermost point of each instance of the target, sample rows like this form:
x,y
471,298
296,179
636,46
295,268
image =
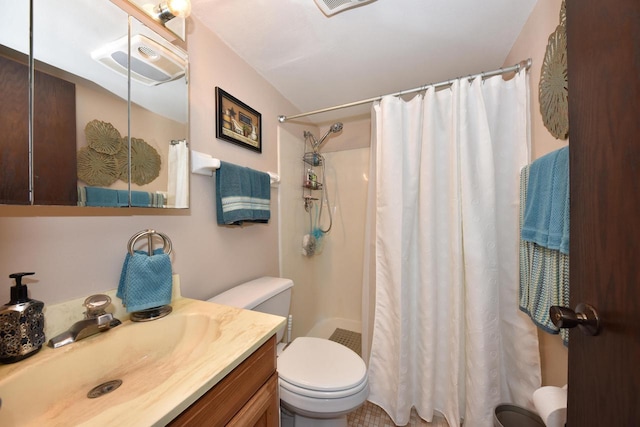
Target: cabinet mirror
x,y
108,120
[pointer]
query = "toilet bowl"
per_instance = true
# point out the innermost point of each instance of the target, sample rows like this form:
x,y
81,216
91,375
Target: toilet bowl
x,y
320,381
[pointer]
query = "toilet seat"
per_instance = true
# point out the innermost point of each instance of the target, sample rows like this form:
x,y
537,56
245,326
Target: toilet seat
x,y
321,379
322,408
321,369
319,366
316,394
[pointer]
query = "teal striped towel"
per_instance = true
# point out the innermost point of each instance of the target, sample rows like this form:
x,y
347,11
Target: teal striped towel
x,y
544,275
242,194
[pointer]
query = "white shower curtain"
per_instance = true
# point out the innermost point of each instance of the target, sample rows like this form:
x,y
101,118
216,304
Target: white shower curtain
x,y
448,335
178,174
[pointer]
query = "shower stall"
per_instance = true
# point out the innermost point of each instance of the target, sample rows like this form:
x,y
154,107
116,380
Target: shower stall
x,y
328,285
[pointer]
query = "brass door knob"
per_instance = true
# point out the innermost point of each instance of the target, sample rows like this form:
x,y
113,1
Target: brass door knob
x,y
585,317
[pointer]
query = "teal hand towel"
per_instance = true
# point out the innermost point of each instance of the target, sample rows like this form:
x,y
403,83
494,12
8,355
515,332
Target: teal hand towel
x,y
242,194
546,219
145,281
138,198
96,196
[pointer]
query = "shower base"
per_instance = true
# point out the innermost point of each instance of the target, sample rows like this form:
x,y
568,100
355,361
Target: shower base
x,y
350,339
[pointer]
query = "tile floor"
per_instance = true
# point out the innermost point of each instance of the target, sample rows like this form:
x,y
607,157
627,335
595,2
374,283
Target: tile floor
x,y
370,415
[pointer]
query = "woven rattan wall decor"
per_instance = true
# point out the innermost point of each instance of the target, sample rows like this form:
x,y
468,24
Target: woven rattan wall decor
x,y
103,137
553,89
95,168
106,157
145,162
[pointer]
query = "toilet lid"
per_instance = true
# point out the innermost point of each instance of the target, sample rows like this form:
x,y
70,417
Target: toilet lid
x,y
320,364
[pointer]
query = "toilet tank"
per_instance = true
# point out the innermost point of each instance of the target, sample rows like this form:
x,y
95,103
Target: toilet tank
x,y
270,295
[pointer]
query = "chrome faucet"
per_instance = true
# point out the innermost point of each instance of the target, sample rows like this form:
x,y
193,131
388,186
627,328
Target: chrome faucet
x,y
96,320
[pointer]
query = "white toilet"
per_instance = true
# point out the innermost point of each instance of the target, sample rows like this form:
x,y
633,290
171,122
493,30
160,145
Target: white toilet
x,y
321,381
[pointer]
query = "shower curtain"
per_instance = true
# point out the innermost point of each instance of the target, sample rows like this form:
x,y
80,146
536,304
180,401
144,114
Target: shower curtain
x,y
447,332
178,174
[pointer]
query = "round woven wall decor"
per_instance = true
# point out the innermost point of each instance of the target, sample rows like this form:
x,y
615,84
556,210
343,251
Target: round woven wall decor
x,y
145,162
122,161
103,137
553,88
96,169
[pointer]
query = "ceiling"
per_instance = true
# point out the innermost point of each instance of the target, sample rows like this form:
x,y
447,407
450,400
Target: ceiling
x,y
377,48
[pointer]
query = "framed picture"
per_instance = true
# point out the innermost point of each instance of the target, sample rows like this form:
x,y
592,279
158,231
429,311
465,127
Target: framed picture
x,y
237,122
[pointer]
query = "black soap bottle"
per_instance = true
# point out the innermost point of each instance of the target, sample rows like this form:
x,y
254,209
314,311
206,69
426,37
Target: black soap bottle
x,y
21,324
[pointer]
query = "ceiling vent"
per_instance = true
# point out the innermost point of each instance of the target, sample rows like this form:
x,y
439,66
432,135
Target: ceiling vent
x,y
331,7
151,63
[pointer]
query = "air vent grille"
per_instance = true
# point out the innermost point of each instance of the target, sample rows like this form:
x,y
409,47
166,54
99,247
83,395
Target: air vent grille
x,y
151,62
333,4
331,7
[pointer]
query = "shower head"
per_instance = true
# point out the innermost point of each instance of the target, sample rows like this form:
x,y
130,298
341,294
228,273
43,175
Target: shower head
x,y
336,127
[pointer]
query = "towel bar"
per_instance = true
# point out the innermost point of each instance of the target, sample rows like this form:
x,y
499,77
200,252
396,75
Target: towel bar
x,y
204,164
167,245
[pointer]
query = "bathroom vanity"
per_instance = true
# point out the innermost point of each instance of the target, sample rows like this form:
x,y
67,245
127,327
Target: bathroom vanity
x,y
204,364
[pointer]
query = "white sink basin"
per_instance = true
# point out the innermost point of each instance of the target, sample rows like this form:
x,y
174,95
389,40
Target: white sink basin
x,y
164,366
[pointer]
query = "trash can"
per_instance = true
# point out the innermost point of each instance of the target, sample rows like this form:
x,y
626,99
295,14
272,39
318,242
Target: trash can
x,y
514,416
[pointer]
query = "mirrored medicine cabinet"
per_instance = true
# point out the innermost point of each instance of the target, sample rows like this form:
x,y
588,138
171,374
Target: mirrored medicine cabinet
x,y
93,108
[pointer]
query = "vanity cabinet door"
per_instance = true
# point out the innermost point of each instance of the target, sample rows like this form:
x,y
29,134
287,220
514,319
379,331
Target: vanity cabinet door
x,y
247,396
262,409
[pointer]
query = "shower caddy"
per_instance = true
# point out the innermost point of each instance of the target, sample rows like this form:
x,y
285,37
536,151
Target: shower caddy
x,y
310,180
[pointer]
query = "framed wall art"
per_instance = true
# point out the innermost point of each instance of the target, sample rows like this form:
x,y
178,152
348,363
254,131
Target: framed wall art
x,y
238,123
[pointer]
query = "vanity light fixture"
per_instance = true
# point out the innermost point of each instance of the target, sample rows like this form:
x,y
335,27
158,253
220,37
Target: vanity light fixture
x,y
166,10
162,12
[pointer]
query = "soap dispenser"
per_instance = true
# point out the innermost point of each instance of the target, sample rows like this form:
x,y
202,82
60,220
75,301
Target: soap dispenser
x,y
21,324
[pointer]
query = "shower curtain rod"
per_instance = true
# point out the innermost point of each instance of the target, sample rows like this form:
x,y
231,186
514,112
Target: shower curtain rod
x,y
526,64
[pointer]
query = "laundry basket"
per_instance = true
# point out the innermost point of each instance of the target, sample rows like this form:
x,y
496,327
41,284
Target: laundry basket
x,y
514,416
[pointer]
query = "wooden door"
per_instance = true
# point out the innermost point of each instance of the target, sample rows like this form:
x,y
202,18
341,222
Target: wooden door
x,y
604,120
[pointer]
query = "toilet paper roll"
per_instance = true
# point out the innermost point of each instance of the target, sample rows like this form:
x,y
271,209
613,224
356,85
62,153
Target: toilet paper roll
x,y
551,404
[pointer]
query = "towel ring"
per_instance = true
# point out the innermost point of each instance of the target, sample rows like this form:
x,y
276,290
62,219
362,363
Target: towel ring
x,y
167,245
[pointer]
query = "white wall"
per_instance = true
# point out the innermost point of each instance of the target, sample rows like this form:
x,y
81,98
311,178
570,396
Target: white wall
x,y
76,252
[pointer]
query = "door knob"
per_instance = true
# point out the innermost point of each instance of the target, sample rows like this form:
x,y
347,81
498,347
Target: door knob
x,y
585,317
